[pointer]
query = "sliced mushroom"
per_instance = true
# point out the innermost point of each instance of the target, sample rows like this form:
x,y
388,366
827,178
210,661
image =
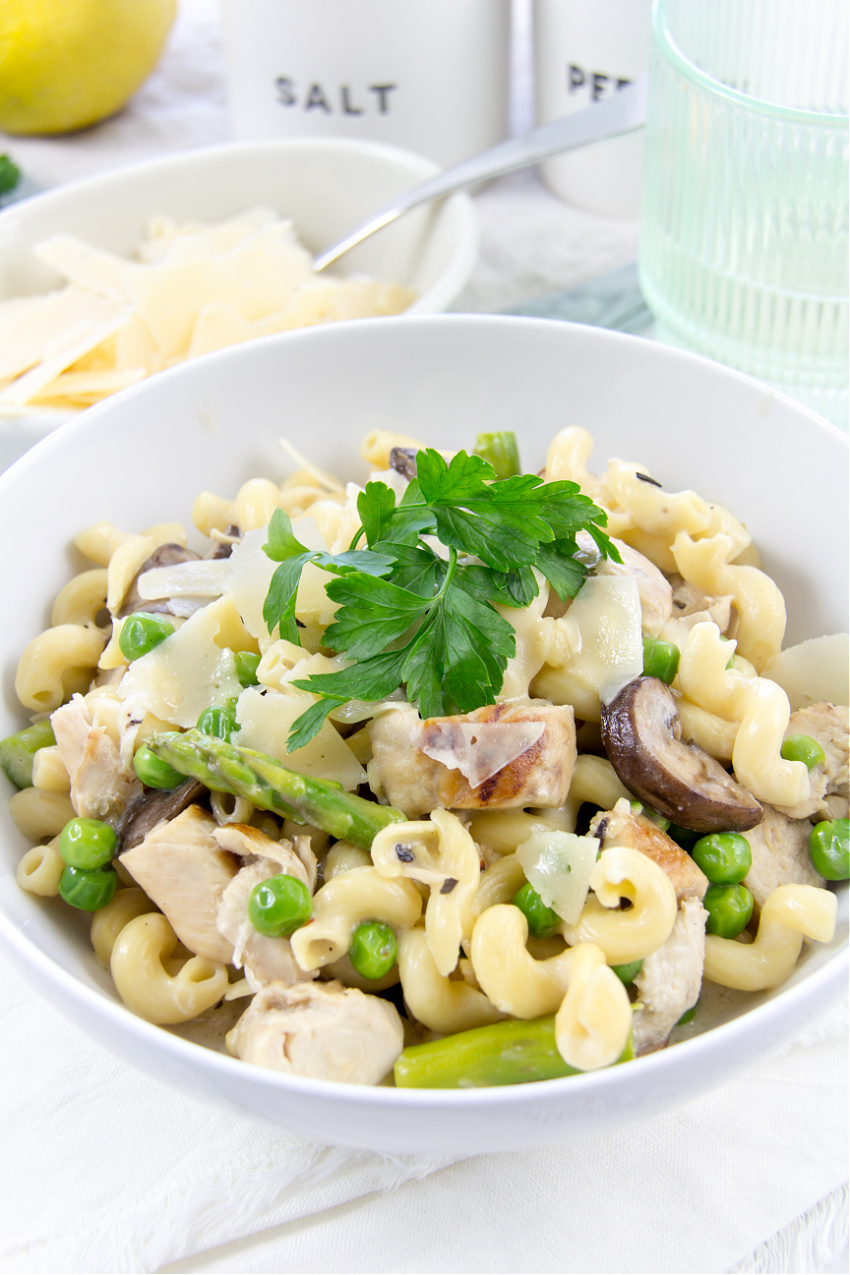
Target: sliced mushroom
x,y
152,806
403,461
642,735
164,556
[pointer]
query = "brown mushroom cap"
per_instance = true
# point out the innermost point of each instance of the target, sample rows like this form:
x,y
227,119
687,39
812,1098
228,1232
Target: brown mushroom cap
x,y
152,806
164,556
642,735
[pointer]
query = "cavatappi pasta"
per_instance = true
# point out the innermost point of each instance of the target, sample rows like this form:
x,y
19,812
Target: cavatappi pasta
x,y
642,811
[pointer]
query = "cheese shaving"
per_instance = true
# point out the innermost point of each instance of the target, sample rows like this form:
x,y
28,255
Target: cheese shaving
x,y
480,750
558,865
187,290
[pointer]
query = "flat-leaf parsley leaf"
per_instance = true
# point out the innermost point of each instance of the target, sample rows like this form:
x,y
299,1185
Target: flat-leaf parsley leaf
x,y
416,608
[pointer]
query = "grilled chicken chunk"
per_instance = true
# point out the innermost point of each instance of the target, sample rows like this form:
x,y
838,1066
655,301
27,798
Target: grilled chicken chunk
x,y
181,866
101,785
780,850
322,1030
827,724
264,959
500,756
654,591
619,827
670,980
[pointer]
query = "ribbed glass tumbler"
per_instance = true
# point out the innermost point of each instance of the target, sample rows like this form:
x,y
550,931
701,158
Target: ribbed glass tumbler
x,y
744,222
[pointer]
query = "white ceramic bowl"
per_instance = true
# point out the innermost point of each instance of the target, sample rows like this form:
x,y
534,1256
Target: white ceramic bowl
x,y
142,457
328,186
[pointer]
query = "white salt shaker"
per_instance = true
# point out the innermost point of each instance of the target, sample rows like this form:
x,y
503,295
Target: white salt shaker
x,y
585,50
433,77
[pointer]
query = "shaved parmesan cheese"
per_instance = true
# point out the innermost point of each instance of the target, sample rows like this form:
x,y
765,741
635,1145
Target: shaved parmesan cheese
x,y
607,613
202,578
558,865
248,580
186,673
89,386
480,750
29,332
265,719
813,672
91,268
188,290
218,325
324,479
60,354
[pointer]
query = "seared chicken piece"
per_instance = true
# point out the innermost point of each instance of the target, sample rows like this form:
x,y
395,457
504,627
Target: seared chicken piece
x,y
670,980
654,591
829,725
181,866
101,786
293,857
619,827
322,1030
780,850
671,977
690,604
264,959
498,757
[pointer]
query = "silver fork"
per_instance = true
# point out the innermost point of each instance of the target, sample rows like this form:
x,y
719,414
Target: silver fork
x,y
623,112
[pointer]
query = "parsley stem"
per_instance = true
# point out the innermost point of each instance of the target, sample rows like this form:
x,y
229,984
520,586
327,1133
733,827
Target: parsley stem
x,y
358,533
444,587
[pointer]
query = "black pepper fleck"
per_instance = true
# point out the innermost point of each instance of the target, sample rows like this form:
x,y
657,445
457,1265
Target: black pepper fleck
x,y
448,885
645,478
404,853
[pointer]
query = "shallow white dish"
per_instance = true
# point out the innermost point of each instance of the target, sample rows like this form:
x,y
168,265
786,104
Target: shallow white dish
x,y
142,458
327,186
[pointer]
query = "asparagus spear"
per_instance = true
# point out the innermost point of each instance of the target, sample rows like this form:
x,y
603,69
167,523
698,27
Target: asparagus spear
x,y
512,1052
17,751
500,449
324,803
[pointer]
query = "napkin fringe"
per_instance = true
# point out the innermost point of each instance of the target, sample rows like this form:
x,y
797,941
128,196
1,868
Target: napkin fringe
x,y
813,1242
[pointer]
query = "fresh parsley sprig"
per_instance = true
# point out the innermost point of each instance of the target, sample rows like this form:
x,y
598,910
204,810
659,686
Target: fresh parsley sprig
x,y
416,607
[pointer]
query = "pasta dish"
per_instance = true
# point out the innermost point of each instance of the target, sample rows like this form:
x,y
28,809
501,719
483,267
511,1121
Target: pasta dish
x,y
460,777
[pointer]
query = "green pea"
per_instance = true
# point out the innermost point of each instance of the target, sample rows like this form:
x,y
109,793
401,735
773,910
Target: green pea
x,y
725,857
628,973
684,837
660,659
141,632
88,889
153,771
542,921
803,748
729,909
246,667
373,950
829,846
219,720
279,905
87,843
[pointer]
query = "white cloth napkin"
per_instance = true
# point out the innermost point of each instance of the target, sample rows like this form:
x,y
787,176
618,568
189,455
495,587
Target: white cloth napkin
x,y
106,1170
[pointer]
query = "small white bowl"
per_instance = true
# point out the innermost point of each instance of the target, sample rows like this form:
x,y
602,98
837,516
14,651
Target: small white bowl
x,y
142,457
327,186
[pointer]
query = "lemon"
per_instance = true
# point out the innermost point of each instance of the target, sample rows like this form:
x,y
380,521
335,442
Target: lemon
x,y
65,64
